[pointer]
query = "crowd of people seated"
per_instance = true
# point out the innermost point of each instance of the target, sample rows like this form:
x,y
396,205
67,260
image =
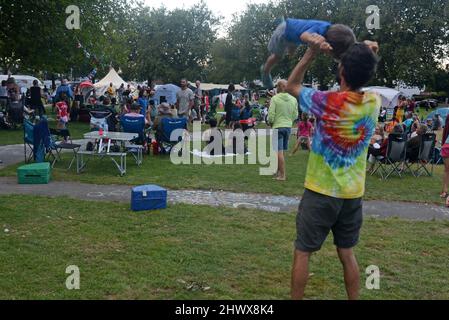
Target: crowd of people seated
x,y
411,128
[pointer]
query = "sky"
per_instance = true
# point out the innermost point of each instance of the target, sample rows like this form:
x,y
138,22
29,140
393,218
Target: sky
x,y
224,8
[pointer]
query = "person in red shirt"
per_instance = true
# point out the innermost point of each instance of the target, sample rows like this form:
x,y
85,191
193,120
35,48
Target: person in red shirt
x,y
62,113
305,133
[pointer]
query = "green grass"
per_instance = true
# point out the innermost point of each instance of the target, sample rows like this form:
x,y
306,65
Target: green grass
x,y
240,178
173,254
15,136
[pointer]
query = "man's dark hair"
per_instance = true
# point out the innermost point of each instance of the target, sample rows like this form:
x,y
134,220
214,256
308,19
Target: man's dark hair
x,y
231,88
213,123
4,83
359,65
341,38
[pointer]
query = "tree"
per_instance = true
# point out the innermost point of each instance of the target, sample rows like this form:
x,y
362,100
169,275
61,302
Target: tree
x,y
34,36
414,36
169,45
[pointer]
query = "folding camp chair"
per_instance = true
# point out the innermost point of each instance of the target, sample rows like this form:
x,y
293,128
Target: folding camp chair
x,y
28,140
425,156
64,144
395,158
166,129
136,125
38,140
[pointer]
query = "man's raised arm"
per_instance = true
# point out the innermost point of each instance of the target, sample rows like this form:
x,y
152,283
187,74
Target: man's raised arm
x,y
296,79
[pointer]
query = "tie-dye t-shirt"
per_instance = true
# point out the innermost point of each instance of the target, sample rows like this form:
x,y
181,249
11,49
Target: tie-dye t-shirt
x,y
346,122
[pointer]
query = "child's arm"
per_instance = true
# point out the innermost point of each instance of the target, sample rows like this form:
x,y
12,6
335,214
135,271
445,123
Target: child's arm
x,y
310,38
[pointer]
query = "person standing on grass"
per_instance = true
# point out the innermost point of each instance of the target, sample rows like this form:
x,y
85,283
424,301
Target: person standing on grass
x,y
282,114
229,105
445,156
198,101
36,99
184,100
335,179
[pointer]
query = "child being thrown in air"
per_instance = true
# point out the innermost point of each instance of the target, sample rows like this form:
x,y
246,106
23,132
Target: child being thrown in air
x,y
292,33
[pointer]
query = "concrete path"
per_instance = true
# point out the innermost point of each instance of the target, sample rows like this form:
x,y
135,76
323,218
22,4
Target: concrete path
x,y
276,204
14,154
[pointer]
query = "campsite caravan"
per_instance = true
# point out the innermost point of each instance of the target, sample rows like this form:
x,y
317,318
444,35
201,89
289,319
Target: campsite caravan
x,y
22,81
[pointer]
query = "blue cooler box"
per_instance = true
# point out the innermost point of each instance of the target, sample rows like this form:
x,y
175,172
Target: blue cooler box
x,y
150,197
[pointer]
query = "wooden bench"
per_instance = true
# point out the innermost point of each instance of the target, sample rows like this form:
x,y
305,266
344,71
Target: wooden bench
x,y
81,163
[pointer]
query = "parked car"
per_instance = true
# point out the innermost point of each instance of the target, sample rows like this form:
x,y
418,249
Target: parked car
x,y
432,103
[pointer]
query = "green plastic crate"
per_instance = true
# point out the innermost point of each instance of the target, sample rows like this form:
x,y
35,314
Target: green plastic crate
x,y
36,173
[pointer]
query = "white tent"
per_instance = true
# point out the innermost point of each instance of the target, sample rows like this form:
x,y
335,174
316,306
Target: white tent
x,y
168,91
389,97
112,77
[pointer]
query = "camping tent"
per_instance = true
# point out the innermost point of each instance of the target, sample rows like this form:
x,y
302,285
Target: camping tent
x,y
167,92
112,77
389,97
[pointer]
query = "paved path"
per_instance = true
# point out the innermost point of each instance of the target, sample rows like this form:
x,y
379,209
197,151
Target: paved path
x,y
277,204
14,154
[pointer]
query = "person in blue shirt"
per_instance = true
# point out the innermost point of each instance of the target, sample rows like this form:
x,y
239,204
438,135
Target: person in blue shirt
x,y
292,33
64,88
143,102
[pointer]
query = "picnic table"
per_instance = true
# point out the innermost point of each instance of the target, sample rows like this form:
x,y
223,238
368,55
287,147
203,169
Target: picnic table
x,y
103,145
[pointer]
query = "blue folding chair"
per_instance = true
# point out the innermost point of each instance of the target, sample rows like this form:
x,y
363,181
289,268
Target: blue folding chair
x,y
38,139
136,125
166,129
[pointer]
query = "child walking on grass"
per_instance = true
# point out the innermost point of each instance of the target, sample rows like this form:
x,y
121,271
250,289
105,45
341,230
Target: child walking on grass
x,y
305,132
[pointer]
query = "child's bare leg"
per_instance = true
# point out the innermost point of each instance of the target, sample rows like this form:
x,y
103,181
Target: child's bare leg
x,y
296,149
271,62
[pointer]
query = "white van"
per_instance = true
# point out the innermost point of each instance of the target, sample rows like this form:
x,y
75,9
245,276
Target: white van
x,y
22,81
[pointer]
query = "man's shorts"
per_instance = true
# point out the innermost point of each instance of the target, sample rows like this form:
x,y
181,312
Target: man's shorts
x,y
319,214
283,139
278,44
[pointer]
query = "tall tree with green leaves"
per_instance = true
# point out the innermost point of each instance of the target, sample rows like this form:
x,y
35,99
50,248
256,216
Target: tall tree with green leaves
x,y
34,36
168,45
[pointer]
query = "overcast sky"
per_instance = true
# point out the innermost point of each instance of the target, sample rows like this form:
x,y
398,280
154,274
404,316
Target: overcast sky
x,y
225,8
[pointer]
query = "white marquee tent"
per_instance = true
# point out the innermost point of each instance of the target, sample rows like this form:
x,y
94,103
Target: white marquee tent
x,y
112,77
389,97
168,91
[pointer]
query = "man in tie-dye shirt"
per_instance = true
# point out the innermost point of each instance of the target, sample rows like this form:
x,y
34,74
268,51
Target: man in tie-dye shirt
x,y
335,180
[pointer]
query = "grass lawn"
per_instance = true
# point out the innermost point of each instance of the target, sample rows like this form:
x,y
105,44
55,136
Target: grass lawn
x,y
77,129
8,137
239,178
177,253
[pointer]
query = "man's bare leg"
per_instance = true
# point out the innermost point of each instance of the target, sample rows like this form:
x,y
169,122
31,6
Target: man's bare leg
x,y
351,273
281,165
300,274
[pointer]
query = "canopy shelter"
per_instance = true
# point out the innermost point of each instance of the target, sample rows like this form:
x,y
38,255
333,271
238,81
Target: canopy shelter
x,y
390,98
216,89
86,88
214,86
165,93
112,77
